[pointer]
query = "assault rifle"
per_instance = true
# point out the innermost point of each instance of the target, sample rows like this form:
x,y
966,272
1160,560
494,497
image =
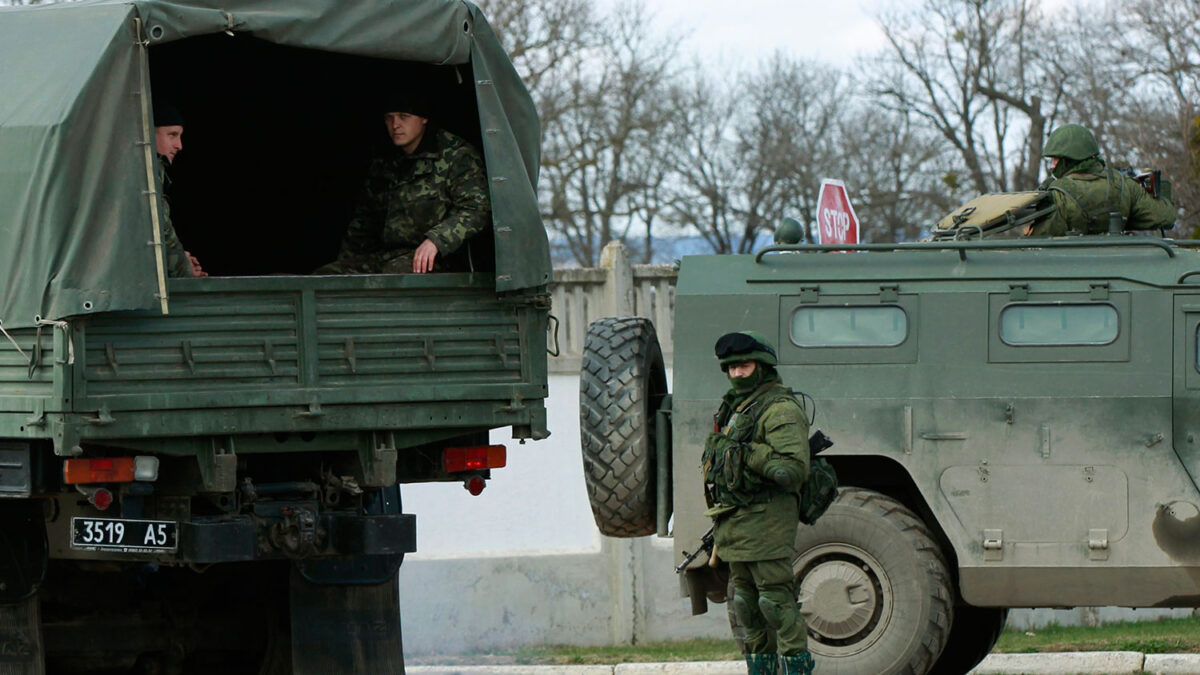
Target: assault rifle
x,y
706,546
1151,180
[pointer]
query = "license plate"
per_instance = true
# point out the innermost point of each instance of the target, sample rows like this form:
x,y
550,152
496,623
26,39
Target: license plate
x,y
121,535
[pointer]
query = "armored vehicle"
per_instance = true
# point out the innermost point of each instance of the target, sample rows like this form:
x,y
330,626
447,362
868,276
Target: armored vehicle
x,y
203,474
1016,423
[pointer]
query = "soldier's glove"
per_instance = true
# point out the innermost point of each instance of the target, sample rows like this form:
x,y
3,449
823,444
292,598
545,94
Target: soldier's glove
x,y
785,472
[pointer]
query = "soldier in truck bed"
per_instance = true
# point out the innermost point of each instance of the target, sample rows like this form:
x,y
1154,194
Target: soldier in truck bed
x,y
168,141
1088,195
422,201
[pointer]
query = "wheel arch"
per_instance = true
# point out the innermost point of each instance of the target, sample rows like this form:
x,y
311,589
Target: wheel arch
x,y
885,475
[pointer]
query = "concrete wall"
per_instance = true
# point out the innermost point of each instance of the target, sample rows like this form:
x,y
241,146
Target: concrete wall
x,y
523,563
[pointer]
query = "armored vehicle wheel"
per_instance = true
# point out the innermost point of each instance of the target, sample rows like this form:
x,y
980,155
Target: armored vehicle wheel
x,y
972,637
621,385
874,588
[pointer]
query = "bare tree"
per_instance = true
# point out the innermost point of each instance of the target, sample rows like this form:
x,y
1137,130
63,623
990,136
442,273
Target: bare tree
x,y
1162,127
790,141
751,149
1134,79
894,168
598,145
964,67
704,161
542,37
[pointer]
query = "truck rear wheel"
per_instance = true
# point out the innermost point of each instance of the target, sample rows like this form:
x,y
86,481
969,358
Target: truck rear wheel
x,y
874,587
974,633
621,385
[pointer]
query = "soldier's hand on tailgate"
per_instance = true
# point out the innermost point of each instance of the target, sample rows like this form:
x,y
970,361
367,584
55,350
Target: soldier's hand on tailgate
x,y
424,257
197,270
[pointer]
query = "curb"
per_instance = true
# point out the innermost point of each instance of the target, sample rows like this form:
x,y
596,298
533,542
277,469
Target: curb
x,y
1062,663
1172,664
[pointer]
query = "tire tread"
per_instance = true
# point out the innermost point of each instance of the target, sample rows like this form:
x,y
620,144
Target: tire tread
x,y
619,356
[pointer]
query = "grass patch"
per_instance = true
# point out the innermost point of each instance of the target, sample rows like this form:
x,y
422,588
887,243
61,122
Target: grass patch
x,y
1169,636
657,652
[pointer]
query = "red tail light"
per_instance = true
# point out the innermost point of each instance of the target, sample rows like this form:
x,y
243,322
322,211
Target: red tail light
x,y
98,470
474,459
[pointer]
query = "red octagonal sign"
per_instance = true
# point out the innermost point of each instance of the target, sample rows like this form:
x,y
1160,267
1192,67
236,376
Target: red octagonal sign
x,y
836,222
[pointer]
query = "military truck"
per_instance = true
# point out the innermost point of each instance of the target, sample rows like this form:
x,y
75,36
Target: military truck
x,y
203,474
1016,423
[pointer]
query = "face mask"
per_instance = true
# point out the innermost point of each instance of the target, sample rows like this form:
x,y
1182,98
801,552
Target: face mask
x,y
745,384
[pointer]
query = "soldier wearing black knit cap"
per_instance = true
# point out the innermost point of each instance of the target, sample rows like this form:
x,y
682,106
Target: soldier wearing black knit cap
x,y
168,142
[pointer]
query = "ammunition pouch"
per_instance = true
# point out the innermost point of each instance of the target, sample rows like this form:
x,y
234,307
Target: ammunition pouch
x,y
727,478
820,489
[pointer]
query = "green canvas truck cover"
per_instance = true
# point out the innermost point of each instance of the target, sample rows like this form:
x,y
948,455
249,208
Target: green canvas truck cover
x,y
77,202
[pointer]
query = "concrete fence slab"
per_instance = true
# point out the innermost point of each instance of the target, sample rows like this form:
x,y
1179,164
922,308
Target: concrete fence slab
x,y
1110,663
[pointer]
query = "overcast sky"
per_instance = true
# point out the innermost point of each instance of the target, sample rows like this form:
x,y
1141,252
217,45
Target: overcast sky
x,y
745,31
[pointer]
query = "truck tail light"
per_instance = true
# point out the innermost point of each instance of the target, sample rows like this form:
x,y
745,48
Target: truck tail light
x,y
82,471
474,458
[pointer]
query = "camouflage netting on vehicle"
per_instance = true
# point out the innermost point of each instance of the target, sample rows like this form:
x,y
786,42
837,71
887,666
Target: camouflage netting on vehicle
x,y
76,178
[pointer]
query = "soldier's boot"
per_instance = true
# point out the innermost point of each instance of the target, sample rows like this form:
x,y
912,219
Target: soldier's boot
x,y
798,664
762,664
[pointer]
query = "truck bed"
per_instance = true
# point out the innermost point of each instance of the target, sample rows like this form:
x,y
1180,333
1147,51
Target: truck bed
x,y
261,355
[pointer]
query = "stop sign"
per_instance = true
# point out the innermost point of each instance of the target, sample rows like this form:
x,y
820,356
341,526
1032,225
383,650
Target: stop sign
x,y
836,222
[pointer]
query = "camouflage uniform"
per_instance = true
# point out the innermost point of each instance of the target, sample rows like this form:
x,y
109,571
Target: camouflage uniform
x,y
175,259
1086,192
755,462
438,192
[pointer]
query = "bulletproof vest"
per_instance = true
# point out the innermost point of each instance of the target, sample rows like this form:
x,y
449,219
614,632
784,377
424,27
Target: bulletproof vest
x,y
727,480
1103,201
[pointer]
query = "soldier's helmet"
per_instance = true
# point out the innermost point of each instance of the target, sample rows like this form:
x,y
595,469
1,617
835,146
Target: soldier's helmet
x,y
746,345
1071,141
789,231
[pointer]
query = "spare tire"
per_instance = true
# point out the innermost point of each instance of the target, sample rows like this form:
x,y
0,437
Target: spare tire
x,y
622,383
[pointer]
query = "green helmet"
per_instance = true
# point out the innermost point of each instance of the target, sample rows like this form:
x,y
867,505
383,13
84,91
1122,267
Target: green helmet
x,y
789,231
746,345
1071,141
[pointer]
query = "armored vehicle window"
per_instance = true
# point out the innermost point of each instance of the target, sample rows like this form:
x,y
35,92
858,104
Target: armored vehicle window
x,y
1092,324
849,326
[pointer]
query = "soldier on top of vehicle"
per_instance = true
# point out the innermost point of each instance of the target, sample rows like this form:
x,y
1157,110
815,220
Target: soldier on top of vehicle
x,y
1091,198
422,200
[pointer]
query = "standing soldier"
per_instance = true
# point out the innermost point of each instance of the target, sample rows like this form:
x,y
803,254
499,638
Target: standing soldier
x,y
1091,198
755,463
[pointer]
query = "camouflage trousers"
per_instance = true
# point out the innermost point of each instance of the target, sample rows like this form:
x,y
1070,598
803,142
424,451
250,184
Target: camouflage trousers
x,y
396,261
764,601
